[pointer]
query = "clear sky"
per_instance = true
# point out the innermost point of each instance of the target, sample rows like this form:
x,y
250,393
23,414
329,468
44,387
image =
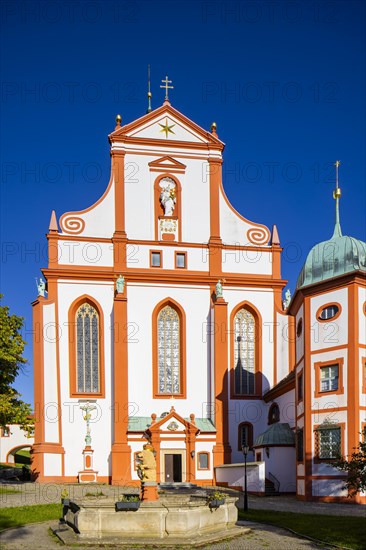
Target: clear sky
x,y
284,81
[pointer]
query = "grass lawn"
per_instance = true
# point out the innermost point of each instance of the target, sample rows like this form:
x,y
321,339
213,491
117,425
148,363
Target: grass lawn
x,y
344,531
21,515
23,452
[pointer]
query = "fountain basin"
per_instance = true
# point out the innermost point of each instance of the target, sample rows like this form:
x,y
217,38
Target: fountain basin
x,y
178,517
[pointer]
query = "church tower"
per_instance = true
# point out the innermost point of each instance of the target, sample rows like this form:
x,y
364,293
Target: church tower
x,y
329,307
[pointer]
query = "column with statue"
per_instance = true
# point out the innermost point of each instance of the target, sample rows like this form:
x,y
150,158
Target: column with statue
x,y
88,474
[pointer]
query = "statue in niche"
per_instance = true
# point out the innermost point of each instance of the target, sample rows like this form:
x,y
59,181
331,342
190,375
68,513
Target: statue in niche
x,y
168,196
146,463
287,300
41,287
120,284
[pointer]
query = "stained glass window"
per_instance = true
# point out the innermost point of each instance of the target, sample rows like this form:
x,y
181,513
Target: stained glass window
x,y
244,352
169,351
87,349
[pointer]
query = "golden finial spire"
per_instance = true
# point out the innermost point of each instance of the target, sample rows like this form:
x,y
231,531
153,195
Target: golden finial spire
x,y
337,195
166,83
149,94
118,122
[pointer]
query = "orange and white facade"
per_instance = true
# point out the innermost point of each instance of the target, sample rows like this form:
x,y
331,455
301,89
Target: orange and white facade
x,y
330,381
160,296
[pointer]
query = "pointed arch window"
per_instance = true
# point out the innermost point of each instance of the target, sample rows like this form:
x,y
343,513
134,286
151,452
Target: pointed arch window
x,y
169,351
244,353
86,349
169,356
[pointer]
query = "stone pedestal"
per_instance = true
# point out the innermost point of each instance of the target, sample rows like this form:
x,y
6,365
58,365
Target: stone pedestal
x,y
149,491
88,475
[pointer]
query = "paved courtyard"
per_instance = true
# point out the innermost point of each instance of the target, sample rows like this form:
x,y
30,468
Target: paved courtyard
x,y
260,537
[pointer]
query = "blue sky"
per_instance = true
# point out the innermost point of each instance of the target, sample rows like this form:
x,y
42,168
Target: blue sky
x,y
284,81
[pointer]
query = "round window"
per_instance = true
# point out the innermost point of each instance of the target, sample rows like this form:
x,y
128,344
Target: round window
x,y
328,312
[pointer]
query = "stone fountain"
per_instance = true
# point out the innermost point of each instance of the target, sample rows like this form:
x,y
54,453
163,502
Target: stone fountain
x,y
169,514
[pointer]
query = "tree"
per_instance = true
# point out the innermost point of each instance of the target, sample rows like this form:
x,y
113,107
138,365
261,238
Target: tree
x,y
12,409
356,469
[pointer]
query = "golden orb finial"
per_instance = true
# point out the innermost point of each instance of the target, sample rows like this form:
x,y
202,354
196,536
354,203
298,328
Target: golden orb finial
x,y
118,119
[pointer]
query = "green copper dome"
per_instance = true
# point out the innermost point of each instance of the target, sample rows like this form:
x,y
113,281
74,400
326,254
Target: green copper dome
x,y
276,434
337,256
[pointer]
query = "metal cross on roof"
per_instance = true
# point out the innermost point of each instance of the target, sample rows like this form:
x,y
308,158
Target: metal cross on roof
x,y
166,83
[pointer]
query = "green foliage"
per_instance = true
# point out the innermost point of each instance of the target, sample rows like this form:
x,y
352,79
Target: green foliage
x,y
21,515
12,409
355,468
340,530
216,495
129,498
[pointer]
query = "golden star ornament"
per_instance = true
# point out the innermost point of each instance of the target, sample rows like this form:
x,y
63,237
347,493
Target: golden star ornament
x,y
166,128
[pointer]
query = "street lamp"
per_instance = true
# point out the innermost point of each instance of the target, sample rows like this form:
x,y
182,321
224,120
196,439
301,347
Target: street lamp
x,y
245,450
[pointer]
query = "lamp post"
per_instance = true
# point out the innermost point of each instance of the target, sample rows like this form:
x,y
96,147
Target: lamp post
x,y
245,450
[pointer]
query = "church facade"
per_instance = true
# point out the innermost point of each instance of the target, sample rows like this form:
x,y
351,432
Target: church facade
x,y
164,321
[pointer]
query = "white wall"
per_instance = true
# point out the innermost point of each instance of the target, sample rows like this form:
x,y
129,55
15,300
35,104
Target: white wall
x,y
234,228
138,256
73,424
99,221
333,332
51,401
362,314
86,253
282,464
233,475
195,301
139,197
283,343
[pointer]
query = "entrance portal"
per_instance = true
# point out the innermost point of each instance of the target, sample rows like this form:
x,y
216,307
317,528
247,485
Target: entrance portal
x,y
173,468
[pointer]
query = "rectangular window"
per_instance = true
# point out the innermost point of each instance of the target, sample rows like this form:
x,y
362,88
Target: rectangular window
x,y
180,260
329,378
329,443
155,259
203,461
300,445
300,387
